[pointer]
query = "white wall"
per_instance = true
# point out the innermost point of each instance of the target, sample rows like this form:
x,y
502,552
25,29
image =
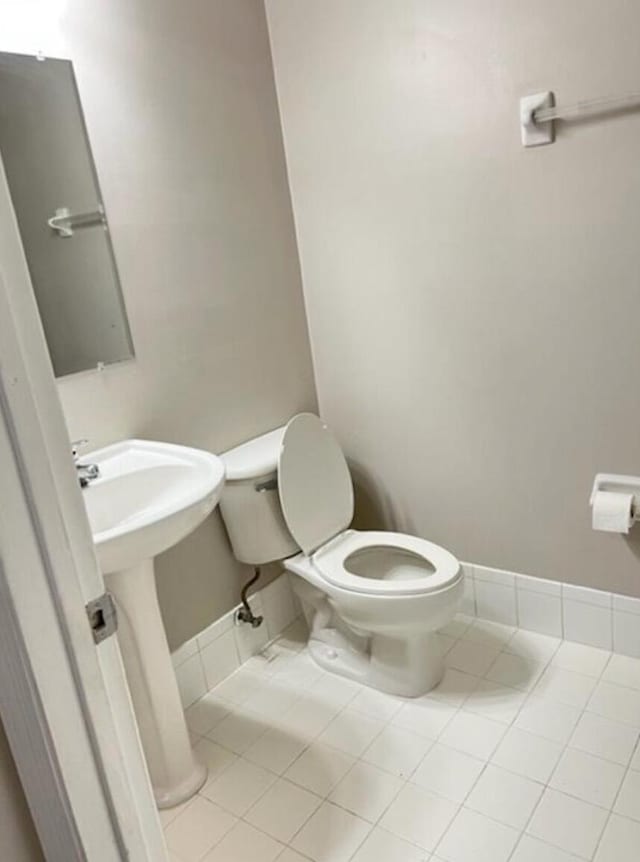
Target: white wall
x,y
182,116
474,306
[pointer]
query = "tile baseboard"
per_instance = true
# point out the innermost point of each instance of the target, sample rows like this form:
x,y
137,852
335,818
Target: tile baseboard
x,y
216,652
594,617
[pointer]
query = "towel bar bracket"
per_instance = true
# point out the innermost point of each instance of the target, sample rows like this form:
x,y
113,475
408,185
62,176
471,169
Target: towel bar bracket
x,y
535,134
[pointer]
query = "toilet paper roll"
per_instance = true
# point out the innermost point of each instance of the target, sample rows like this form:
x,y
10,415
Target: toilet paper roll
x,y
612,511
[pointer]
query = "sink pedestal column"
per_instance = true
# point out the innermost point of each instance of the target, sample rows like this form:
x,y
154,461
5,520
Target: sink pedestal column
x,y
175,773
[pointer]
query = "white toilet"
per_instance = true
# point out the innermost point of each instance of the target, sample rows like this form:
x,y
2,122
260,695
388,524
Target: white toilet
x,y
373,600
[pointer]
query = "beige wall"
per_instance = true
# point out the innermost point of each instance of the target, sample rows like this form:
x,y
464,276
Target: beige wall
x,y
474,306
182,115
18,839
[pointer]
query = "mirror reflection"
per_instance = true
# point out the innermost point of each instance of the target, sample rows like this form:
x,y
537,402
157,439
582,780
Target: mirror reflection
x,y
58,205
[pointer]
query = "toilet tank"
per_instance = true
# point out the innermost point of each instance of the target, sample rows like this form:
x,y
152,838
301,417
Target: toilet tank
x,y
250,504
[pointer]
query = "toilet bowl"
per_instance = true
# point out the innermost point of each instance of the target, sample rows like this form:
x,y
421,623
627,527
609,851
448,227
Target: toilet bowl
x,y
373,599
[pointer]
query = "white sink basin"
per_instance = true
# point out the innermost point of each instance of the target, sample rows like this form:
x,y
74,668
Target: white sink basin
x,y
148,497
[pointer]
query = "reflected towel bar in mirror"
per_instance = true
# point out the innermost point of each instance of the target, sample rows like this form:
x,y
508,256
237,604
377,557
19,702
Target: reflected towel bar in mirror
x,y
65,222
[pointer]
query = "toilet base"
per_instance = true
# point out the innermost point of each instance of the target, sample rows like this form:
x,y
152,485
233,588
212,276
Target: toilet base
x,y
406,667
400,656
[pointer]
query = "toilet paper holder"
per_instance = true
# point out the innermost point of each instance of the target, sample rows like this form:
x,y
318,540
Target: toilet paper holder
x,y
621,484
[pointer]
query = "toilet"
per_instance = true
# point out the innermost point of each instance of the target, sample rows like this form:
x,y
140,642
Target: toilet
x,y
373,600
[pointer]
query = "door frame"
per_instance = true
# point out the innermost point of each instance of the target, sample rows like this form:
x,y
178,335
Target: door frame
x,y
64,701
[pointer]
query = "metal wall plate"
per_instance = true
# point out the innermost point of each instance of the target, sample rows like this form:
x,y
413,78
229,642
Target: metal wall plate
x,y
103,617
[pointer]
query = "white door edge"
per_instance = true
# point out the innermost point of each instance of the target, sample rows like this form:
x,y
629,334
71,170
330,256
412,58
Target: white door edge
x,y
64,701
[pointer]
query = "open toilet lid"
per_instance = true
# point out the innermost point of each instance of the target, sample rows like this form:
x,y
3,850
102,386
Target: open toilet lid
x,y
316,493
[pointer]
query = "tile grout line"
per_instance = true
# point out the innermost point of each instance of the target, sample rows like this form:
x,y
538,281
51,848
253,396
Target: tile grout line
x,y
612,810
457,708
325,798
282,776
547,785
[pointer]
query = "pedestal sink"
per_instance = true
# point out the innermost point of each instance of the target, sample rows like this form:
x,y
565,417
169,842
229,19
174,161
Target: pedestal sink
x,y
149,496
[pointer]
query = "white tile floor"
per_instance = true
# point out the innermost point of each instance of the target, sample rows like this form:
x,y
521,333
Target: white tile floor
x,y
528,752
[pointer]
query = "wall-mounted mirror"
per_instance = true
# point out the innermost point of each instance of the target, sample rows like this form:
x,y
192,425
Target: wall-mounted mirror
x,y
57,200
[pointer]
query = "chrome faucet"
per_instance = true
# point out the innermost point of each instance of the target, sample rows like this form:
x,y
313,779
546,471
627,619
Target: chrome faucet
x,y
86,472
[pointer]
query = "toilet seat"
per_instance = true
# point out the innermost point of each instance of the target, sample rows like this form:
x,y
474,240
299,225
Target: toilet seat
x,y
314,483
316,496
390,574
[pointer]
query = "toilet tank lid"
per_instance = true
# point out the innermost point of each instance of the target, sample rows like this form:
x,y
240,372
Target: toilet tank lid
x,y
256,457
